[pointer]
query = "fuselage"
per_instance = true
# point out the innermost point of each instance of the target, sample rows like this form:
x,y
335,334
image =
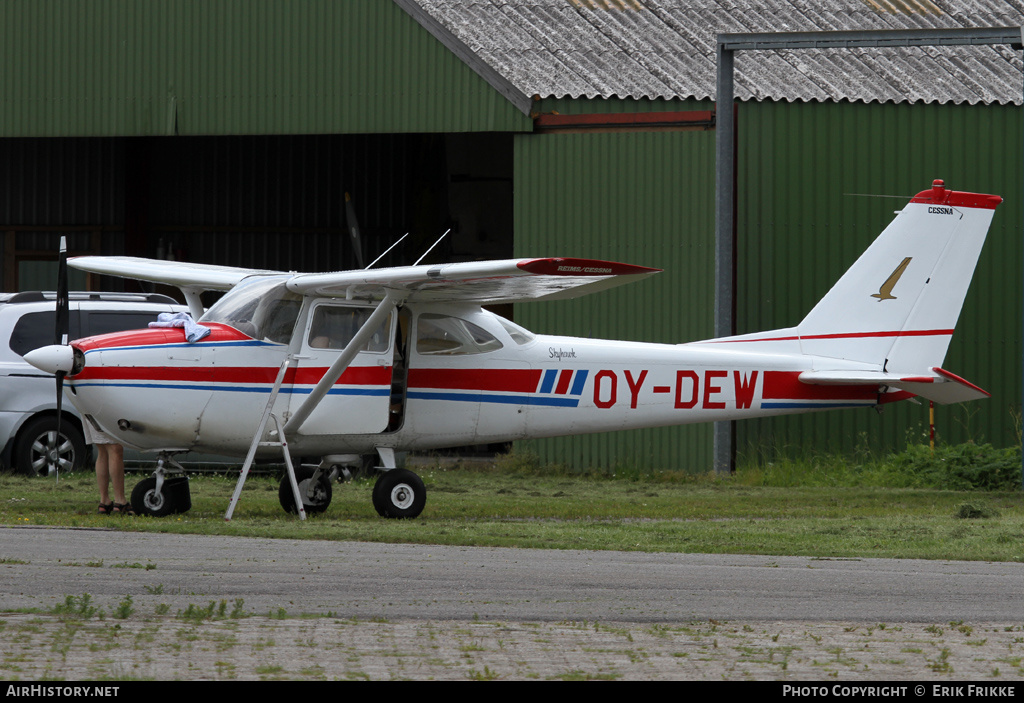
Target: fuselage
x,y
433,376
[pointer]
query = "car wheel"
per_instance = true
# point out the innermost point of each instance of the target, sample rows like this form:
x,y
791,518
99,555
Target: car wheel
x,y
39,450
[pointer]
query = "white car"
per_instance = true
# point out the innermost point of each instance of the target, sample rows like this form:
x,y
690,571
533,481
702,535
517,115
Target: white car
x,y
28,401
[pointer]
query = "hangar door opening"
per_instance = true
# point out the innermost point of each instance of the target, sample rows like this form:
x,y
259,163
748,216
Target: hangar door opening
x,y
277,202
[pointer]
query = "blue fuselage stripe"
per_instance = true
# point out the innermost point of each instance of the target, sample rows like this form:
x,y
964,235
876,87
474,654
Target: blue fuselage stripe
x,y
472,397
578,383
238,389
549,381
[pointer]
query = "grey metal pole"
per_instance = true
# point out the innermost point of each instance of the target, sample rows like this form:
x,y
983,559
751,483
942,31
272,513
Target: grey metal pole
x,y
727,45
725,151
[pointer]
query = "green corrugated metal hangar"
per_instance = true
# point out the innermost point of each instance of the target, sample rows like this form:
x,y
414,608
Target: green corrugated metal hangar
x,y
231,133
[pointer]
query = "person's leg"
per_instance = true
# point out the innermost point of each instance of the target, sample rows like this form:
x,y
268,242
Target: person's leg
x,y
115,467
103,473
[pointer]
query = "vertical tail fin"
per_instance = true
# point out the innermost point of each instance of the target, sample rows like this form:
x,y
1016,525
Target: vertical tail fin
x,y
898,304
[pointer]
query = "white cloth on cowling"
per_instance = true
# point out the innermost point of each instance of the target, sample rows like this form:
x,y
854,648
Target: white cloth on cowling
x,y
193,330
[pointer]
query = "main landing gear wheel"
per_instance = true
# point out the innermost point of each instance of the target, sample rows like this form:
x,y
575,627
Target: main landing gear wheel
x,y
399,493
174,497
316,495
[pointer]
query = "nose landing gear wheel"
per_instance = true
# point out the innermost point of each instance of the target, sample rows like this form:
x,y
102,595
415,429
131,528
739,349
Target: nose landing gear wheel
x,y
399,493
174,498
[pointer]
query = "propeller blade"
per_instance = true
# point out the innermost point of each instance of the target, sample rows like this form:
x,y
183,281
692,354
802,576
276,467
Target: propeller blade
x,y
353,230
62,329
54,450
62,320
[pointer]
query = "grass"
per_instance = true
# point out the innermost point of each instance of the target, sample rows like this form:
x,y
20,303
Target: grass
x,y
959,503
822,506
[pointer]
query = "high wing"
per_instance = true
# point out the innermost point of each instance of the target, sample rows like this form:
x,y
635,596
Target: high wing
x,y
173,273
483,282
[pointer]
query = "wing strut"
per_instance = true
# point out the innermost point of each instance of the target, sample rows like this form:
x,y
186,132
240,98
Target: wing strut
x,y
373,322
194,301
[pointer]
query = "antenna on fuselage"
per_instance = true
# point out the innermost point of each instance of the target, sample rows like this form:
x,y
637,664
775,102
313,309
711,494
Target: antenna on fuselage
x,y
432,246
387,250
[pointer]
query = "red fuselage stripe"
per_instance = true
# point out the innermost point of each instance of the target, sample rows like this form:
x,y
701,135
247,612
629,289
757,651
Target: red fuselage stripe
x,y
786,385
507,380
843,335
361,376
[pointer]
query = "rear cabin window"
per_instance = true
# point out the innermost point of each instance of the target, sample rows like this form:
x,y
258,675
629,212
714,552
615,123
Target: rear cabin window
x,y
517,333
441,334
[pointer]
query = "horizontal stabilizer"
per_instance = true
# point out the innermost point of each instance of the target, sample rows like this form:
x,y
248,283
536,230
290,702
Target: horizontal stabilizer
x,y
938,384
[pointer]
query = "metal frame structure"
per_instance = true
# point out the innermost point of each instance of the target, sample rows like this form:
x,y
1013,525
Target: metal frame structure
x,y
725,147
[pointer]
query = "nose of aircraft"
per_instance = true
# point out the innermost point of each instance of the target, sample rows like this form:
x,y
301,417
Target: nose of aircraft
x,y
52,358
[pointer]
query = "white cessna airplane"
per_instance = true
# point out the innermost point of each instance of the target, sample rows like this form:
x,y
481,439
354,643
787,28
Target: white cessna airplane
x,y
337,365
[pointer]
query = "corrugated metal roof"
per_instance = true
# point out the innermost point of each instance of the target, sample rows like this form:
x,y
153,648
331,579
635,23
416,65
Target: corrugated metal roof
x,y
666,48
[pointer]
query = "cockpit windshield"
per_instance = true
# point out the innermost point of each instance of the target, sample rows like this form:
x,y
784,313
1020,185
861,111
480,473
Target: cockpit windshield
x,y
260,307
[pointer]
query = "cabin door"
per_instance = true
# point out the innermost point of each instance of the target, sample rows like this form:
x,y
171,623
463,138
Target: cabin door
x,y
359,400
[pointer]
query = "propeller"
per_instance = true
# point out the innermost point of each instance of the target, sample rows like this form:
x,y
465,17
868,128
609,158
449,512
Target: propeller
x,y
355,236
57,358
61,331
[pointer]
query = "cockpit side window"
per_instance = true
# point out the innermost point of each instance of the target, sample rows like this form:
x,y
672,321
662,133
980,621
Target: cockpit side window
x,y
278,320
334,326
442,334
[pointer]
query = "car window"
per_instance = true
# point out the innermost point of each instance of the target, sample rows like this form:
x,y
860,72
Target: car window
x,y
35,329
97,322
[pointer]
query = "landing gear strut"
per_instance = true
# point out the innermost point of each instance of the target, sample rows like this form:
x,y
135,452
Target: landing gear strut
x,y
314,487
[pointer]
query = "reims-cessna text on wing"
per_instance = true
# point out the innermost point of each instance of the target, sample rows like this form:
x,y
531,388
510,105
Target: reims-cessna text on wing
x,y
337,365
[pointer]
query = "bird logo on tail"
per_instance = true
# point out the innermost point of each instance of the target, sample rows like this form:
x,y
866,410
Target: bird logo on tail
x,y
885,292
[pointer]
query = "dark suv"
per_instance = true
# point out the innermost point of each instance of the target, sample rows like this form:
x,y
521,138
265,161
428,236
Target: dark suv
x,y
28,403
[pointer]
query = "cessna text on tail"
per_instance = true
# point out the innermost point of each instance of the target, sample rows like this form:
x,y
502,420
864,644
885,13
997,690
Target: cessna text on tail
x,y
337,365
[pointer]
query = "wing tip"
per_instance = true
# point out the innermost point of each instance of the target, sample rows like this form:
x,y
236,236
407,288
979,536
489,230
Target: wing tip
x,y
564,266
